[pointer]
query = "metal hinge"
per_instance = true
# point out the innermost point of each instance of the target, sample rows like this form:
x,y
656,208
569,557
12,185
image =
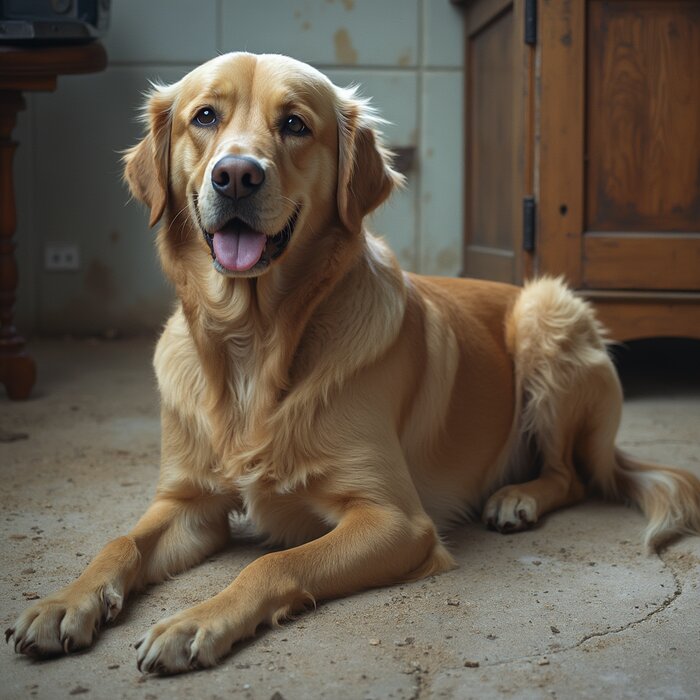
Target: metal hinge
x,y
531,22
529,223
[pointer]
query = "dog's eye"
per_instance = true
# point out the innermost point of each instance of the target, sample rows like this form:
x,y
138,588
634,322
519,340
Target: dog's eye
x,y
294,125
205,117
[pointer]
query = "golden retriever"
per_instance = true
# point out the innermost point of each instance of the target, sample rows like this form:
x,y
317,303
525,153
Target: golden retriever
x,y
349,409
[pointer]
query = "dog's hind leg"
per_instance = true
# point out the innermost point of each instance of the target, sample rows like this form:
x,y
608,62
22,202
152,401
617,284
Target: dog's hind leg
x,y
669,497
572,401
519,506
563,372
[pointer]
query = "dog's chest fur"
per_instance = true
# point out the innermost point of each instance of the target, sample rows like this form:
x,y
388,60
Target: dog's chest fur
x,y
272,468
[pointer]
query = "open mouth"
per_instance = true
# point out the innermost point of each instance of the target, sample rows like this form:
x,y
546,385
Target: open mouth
x,y
238,248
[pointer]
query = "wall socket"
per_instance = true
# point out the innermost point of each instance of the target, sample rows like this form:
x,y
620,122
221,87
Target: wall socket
x,y
62,256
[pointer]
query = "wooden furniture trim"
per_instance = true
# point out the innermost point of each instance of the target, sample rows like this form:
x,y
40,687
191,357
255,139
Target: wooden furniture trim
x,y
481,14
672,316
24,69
639,296
47,62
561,139
512,263
648,265
17,369
526,94
492,263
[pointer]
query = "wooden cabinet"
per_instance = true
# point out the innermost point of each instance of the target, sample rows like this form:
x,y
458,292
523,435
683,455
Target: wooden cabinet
x,y
582,126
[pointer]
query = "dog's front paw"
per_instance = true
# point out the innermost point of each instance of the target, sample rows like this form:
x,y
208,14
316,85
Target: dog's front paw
x,y
184,642
65,621
510,510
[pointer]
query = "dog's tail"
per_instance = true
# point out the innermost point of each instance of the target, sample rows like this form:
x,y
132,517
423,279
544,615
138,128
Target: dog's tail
x,y
668,497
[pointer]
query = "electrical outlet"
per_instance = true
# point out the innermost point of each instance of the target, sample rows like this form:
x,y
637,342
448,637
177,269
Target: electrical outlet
x,y
62,256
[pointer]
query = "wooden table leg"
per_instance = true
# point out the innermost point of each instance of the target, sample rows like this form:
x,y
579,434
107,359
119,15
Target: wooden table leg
x,y
17,368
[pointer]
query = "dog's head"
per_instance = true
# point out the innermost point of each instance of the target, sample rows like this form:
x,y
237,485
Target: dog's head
x,y
250,155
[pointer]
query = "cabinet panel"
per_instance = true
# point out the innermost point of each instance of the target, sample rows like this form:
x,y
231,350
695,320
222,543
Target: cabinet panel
x,y
649,263
647,314
560,146
642,225
490,135
643,129
608,108
495,124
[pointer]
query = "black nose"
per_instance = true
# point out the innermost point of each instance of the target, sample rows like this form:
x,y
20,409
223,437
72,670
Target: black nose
x,y
237,176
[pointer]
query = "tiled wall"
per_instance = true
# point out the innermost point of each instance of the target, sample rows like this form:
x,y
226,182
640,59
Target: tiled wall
x,y
407,54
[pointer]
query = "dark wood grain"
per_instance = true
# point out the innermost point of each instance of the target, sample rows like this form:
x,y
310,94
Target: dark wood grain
x,y
643,126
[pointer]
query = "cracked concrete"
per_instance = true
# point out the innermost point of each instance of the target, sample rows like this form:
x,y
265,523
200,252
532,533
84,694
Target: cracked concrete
x,y
572,609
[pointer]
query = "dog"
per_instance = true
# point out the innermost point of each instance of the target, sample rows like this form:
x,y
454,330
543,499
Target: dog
x,y
350,410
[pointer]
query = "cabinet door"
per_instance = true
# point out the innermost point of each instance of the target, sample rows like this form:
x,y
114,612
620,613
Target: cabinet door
x,y
620,166
498,113
643,146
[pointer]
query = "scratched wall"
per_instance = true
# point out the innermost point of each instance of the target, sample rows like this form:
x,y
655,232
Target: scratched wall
x,y
407,54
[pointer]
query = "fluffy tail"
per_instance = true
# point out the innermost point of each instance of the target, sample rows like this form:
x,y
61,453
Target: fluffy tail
x,y
670,498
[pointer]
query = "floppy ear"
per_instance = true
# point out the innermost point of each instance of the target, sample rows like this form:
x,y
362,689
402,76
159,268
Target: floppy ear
x,y
365,175
146,164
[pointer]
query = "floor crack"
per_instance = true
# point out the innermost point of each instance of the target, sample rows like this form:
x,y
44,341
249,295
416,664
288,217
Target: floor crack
x,y
665,604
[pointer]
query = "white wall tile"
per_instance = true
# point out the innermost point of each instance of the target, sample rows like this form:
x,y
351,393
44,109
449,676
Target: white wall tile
x,y
395,222
444,34
169,31
80,130
325,32
67,171
442,164
394,94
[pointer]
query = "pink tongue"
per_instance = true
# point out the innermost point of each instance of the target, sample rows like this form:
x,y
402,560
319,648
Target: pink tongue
x,y
239,251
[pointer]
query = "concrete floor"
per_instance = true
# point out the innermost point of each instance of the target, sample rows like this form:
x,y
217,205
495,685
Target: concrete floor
x,y
572,609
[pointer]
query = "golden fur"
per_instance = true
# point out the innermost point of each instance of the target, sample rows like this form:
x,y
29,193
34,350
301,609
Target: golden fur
x,y
349,409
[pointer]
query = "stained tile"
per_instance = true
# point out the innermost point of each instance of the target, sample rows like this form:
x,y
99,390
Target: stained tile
x,y
79,198
444,34
395,222
393,94
325,32
442,164
67,170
